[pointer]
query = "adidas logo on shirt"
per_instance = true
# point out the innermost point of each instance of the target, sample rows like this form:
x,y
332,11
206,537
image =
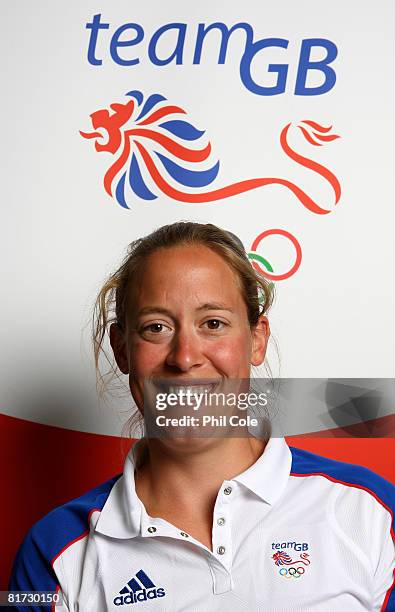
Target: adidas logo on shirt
x,y
139,588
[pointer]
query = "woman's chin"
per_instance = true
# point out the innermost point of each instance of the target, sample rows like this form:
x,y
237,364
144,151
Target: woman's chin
x,y
189,443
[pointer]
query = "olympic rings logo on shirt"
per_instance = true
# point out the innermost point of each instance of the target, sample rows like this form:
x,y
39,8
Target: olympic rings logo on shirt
x,y
291,572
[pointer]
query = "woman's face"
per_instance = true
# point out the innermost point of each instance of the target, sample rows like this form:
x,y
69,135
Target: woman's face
x,y
187,320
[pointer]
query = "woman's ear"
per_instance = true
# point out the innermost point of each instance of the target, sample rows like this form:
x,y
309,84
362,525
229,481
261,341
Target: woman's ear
x,y
118,346
260,338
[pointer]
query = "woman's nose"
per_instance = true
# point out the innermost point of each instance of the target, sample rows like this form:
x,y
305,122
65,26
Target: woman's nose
x,y
185,352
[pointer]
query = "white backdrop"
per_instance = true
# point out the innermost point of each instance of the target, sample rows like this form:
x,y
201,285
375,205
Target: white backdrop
x,y
62,233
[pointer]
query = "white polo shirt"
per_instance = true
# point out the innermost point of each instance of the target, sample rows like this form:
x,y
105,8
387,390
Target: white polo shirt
x,y
293,532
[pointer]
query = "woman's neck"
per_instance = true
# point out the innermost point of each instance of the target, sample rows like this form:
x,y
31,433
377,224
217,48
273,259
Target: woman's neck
x,y
187,476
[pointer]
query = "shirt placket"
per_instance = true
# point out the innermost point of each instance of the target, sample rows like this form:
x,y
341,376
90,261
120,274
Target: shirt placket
x,y
220,559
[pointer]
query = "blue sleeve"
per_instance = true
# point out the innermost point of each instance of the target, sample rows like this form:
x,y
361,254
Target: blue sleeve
x,y
32,571
33,566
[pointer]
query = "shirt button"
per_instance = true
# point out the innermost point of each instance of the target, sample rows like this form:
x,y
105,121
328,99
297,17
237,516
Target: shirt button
x,y
184,535
221,521
221,550
228,490
151,529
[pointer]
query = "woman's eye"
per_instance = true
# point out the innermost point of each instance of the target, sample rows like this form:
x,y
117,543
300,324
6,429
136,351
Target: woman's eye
x,y
215,324
155,328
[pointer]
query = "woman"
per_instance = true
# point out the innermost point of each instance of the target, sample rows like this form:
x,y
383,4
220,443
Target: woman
x,y
208,522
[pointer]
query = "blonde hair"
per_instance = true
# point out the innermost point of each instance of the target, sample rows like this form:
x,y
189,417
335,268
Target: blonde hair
x,y
111,303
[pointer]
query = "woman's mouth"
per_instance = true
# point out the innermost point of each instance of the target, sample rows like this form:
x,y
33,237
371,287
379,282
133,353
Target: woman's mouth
x,y
187,387
191,389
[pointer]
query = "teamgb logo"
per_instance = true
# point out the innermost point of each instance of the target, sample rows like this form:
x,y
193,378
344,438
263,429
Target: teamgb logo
x,y
139,588
160,153
123,49
289,567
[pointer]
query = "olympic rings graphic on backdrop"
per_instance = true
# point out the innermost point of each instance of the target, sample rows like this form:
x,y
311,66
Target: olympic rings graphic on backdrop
x,y
296,572
267,271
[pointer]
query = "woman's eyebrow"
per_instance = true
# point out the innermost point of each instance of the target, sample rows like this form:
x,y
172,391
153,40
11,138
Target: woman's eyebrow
x,y
159,309
214,306
153,310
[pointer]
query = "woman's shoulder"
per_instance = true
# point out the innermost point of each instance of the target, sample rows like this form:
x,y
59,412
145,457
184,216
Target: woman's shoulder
x,y
48,538
357,480
74,515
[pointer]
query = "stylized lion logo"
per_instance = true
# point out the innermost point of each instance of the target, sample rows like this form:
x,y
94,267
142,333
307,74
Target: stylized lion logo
x,y
283,558
158,152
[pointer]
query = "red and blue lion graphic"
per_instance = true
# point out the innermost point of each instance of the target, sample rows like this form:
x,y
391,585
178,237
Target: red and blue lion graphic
x,y
283,558
159,152
288,567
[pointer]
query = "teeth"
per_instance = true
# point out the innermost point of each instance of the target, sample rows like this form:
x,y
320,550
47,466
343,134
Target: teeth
x,y
194,390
